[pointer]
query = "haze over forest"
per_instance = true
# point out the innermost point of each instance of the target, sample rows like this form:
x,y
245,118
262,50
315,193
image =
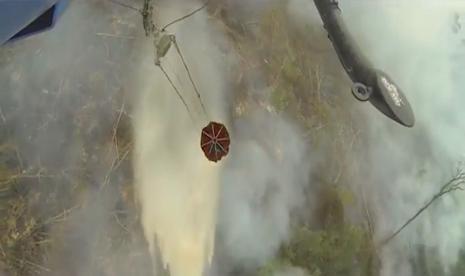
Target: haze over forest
x,y
101,171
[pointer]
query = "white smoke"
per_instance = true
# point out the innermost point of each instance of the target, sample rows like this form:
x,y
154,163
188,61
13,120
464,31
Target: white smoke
x,y
177,186
261,179
58,94
290,271
262,183
413,41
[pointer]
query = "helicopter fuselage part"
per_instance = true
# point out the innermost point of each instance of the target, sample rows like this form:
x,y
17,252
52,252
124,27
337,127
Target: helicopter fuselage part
x,y
21,19
369,83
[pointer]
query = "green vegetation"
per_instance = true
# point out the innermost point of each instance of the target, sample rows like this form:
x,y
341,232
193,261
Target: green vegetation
x,y
336,248
330,252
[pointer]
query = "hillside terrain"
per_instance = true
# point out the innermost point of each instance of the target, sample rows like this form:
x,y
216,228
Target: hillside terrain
x,y
67,184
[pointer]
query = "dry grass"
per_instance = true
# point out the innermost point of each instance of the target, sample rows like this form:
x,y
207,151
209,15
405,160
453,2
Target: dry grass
x,y
34,203
298,70
296,64
42,199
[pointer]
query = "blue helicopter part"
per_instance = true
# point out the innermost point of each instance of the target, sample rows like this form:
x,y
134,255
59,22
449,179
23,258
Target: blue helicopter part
x,y
22,18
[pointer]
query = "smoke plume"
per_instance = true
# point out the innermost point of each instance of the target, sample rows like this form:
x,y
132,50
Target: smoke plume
x,y
176,185
239,210
263,183
414,42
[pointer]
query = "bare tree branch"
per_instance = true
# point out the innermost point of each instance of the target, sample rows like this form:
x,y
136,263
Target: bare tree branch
x,y
456,183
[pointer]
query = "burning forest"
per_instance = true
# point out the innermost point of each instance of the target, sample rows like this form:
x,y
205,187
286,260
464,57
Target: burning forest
x,y
220,138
